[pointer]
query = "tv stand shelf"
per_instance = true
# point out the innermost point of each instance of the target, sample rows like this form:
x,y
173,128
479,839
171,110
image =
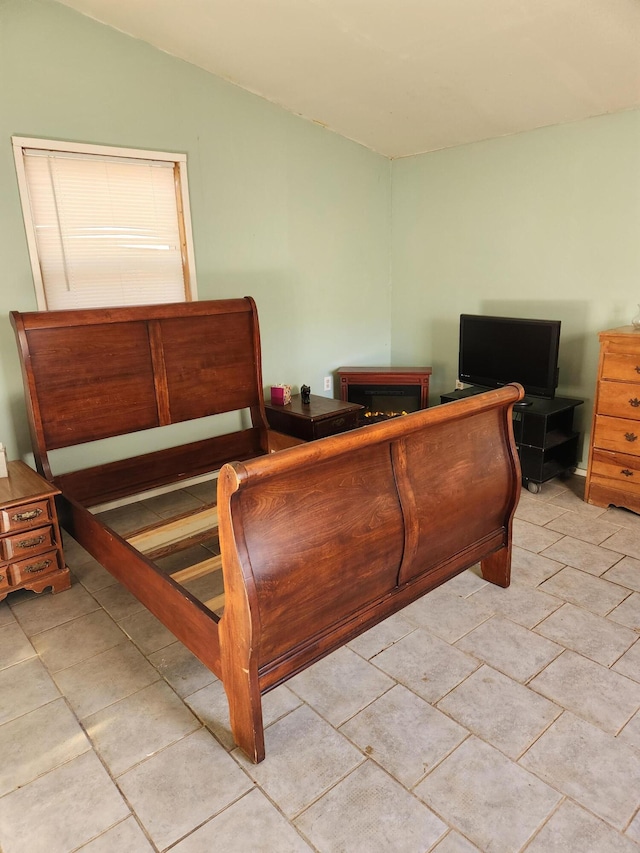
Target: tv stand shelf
x,y
547,442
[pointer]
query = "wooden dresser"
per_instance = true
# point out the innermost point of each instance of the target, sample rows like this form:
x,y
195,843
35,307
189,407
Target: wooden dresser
x,y
613,476
30,544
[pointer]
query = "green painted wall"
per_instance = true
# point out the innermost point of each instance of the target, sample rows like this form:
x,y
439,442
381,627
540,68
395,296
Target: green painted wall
x,y
543,224
282,209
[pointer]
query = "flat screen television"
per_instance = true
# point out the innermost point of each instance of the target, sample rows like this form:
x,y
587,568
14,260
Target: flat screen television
x,y
494,351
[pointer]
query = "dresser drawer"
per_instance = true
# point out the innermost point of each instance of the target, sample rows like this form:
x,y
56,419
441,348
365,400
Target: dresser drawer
x,y
621,366
618,434
4,578
27,543
24,571
619,399
616,471
22,517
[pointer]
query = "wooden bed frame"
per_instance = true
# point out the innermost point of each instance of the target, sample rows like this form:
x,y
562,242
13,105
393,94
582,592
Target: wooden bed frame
x,y
318,542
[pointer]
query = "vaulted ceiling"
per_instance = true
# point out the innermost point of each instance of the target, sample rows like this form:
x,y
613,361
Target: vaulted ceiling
x,y
404,77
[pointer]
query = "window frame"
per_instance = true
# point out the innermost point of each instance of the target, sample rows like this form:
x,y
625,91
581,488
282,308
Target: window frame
x,y
183,209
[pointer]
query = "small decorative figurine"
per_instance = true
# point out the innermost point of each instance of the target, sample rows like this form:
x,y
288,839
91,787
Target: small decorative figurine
x,y
305,395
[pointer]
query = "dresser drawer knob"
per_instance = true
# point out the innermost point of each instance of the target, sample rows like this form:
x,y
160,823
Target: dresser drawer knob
x,y
637,368
630,436
2,578
339,422
627,472
635,402
27,515
34,568
32,542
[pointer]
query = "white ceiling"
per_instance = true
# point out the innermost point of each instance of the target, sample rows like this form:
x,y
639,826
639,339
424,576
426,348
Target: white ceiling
x,y
406,76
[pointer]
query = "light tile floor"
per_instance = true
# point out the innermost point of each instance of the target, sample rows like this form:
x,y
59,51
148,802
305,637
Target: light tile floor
x,y
477,719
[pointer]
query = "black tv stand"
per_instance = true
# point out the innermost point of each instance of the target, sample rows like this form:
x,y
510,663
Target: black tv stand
x,y
543,430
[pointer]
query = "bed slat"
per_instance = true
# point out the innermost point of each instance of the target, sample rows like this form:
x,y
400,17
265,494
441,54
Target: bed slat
x,y
174,530
216,603
199,570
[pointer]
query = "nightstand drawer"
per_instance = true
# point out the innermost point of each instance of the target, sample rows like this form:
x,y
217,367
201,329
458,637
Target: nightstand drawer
x,y
24,516
618,434
27,543
24,571
332,426
619,399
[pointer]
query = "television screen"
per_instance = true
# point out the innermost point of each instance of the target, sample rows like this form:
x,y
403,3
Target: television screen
x,y
497,350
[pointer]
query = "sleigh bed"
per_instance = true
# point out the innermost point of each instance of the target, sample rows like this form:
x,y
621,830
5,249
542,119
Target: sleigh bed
x,y
317,542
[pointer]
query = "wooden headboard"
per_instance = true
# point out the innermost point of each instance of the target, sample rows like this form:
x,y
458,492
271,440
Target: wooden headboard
x,y
97,373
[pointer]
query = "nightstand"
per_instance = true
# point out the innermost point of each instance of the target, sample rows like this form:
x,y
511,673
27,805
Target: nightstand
x,y
319,418
30,542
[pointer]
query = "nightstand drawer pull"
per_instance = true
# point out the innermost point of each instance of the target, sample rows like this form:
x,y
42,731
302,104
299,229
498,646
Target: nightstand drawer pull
x,y
627,472
34,568
635,402
339,422
33,542
34,513
630,436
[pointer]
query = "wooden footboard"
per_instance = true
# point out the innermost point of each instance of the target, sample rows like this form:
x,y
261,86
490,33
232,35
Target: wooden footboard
x,y
322,541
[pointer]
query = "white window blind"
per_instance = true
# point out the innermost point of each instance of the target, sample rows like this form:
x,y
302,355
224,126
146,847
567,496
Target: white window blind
x,y
106,229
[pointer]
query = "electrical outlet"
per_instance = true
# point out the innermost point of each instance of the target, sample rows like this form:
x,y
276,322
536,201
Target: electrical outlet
x,y
459,385
328,383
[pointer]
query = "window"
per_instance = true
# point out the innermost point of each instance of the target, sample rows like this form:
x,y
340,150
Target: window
x,y
105,226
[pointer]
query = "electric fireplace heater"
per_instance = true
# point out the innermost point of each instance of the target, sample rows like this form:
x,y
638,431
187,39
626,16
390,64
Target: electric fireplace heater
x,y
385,392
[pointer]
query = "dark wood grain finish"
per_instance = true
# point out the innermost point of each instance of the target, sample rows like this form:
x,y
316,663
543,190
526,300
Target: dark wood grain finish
x,y
216,375
99,373
93,383
347,510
